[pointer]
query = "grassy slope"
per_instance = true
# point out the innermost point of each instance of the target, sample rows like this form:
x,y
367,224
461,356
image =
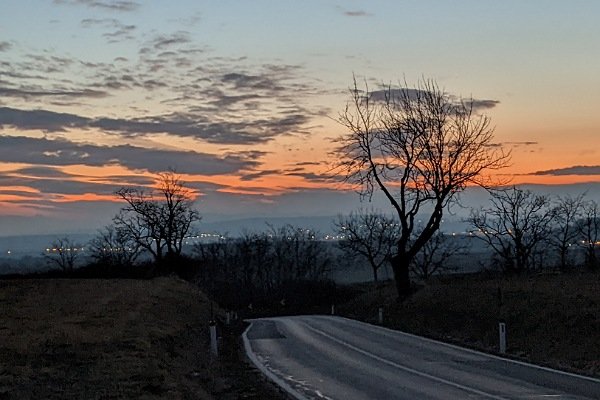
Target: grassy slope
x,y
110,339
551,319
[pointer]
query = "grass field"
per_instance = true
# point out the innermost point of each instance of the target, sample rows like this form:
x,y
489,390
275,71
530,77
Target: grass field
x,y
115,339
551,319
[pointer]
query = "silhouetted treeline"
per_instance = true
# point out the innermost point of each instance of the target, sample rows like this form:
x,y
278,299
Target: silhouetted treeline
x,y
529,232
91,270
285,266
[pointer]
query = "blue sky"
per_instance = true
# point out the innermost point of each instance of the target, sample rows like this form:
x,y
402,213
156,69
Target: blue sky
x,y
241,96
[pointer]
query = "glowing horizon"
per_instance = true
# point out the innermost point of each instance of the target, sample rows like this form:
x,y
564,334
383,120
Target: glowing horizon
x,y
97,95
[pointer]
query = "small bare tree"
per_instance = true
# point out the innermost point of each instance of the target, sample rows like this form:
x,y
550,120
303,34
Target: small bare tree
x,y
436,254
517,222
421,147
298,253
114,247
567,213
160,219
589,229
63,252
218,263
368,235
262,265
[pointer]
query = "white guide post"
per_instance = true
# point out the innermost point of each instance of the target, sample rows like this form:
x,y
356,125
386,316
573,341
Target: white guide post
x,y
502,332
213,339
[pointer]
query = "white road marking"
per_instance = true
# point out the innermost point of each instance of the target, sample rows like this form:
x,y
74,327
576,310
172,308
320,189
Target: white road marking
x,y
466,349
405,368
296,389
280,382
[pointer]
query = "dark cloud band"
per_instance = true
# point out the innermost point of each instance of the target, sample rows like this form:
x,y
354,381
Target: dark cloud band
x,y
223,132
574,170
40,151
112,5
476,104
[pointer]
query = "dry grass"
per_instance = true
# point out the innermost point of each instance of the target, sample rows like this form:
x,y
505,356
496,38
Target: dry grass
x,y
551,319
103,339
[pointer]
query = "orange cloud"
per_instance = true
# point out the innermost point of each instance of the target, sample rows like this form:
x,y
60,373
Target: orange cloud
x,y
68,198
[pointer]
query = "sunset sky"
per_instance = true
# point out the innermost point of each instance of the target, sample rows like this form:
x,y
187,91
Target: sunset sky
x,y
241,97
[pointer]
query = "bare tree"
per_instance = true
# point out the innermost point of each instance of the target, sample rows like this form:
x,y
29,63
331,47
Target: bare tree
x,y
114,247
567,213
262,265
420,147
369,235
256,248
251,256
160,219
589,229
63,252
517,222
436,254
298,253
215,259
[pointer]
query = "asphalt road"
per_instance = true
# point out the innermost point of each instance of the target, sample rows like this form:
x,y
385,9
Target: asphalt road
x,y
322,357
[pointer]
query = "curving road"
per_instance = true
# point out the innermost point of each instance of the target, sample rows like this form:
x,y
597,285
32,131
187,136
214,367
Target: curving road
x,y
323,357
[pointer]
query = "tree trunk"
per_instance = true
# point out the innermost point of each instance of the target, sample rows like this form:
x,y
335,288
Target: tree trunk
x,y
591,260
400,267
563,258
375,275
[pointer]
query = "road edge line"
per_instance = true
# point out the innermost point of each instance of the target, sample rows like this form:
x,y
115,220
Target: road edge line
x,y
262,368
473,351
410,370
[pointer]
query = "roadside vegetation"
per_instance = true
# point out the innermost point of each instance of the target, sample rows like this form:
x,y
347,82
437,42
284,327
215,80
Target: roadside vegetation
x,y
551,319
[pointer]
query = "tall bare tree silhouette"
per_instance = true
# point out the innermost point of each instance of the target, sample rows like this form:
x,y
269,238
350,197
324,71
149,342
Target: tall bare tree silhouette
x,y
419,146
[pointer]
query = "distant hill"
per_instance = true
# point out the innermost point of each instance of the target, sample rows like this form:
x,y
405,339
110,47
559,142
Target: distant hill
x,y
323,224
236,227
33,245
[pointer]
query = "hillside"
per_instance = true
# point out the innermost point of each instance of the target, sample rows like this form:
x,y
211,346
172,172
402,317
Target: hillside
x,y
92,339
